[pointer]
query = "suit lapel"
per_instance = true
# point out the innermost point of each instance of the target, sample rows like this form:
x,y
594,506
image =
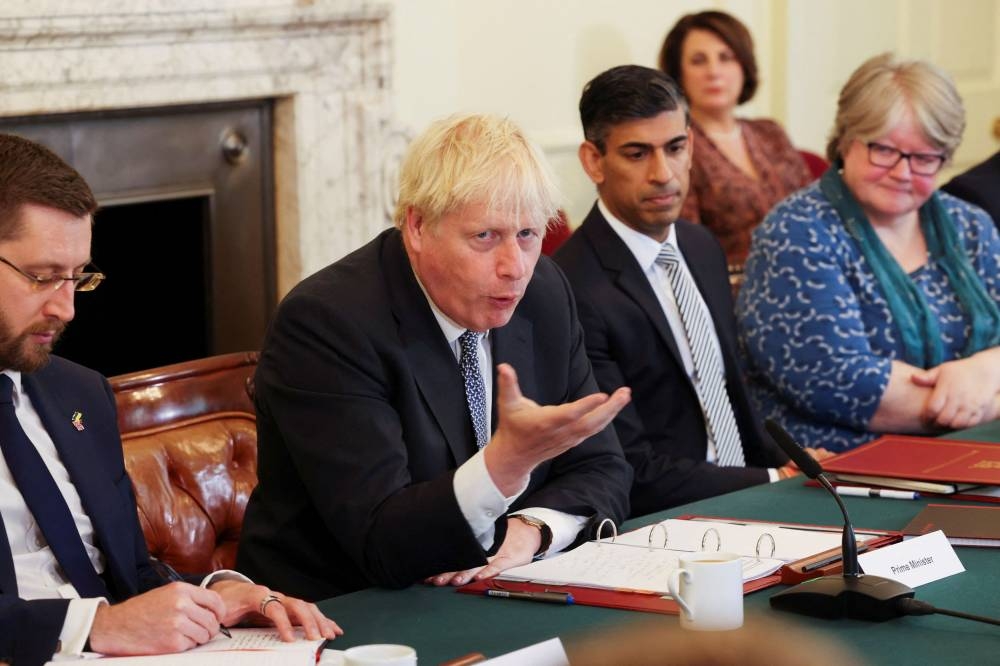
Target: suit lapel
x,y
8,578
513,344
624,271
432,361
80,454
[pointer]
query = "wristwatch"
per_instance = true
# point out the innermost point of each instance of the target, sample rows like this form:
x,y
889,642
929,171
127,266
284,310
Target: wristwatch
x,y
546,531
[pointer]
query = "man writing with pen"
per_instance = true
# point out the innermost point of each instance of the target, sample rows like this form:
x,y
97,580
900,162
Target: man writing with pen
x,y
74,569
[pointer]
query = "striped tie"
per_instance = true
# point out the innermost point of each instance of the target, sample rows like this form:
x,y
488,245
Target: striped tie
x,y
709,371
475,390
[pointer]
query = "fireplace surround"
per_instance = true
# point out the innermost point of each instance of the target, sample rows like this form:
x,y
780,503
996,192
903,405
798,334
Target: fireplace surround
x,y
323,64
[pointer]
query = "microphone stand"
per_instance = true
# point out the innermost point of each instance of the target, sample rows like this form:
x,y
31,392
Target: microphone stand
x,y
853,594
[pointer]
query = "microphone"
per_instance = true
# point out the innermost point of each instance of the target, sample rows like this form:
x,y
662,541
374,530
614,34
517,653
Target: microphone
x,y
854,594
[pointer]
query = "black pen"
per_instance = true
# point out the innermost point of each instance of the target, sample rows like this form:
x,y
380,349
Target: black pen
x,y
812,566
168,572
545,597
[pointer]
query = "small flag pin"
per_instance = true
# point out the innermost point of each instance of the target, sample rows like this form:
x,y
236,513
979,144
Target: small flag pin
x,y
77,420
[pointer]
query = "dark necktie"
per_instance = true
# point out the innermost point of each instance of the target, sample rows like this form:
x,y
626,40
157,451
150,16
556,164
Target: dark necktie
x,y
44,500
475,389
709,371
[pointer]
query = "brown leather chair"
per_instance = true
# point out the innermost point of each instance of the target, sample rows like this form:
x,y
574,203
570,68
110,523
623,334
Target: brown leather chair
x,y
190,440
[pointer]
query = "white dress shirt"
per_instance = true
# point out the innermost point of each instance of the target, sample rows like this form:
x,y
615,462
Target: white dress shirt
x,y
479,499
38,573
645,250
35,566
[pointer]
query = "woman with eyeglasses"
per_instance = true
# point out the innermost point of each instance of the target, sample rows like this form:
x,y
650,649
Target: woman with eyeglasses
x,y
872,301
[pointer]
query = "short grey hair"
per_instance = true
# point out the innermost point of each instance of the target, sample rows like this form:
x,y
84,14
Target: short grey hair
x,y
882,89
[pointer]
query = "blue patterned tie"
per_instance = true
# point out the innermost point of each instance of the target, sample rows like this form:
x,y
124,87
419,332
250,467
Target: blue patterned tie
x,y
44,500
475,390
709,370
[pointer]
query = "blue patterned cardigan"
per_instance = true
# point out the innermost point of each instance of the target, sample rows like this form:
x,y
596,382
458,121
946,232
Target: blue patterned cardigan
x,y
817,338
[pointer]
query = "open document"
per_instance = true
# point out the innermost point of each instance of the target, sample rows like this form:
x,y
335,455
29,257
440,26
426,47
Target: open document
x,y
250,647
642,560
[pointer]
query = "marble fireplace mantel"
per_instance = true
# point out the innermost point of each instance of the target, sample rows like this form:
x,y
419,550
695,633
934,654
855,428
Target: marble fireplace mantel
x,y
326,63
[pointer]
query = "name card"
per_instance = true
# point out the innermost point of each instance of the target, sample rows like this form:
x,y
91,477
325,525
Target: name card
x,y
914,562
546,653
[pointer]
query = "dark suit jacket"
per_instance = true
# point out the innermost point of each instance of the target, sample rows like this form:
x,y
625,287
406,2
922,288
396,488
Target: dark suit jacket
x,y
629,341
93,456
362,420
980,185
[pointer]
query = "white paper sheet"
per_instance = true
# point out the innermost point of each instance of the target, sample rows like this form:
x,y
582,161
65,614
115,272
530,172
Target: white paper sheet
x,y
619,567
547,653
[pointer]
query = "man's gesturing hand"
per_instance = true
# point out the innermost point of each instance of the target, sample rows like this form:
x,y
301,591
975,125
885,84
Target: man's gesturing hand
x,y
528,434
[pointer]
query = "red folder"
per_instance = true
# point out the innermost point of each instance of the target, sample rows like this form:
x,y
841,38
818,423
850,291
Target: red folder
x,y
791,573
962,464
922,459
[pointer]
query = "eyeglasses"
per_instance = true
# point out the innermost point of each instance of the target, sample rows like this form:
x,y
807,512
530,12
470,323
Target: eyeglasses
x,y
922,164
81,282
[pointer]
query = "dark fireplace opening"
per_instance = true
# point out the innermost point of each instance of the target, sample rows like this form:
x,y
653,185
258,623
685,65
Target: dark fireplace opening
x,y
152,309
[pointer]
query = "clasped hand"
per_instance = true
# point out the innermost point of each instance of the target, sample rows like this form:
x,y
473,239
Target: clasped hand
x,y
179,616
964,392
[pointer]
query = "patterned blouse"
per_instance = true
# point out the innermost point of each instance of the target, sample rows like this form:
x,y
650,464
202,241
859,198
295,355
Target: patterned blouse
x,y
816,334
727,200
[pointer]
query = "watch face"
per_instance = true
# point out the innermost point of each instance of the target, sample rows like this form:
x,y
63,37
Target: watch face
x,y
541,527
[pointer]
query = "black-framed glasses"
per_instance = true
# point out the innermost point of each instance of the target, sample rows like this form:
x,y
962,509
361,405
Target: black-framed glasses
x,y
81,282
922,164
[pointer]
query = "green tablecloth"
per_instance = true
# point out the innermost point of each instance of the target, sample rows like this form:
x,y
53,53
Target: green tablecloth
x,y
442,624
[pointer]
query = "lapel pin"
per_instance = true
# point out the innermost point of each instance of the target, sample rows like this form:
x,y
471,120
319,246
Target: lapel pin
x,y
77,420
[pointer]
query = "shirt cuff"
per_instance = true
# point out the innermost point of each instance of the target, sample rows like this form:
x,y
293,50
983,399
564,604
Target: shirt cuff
x,y
77,625
224,574
565,526
773,475
479,499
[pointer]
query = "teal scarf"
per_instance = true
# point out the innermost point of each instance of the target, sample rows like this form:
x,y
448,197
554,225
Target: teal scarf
x,y
918,326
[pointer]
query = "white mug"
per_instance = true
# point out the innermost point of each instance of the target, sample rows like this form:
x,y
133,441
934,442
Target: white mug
x,y
380,655
709,589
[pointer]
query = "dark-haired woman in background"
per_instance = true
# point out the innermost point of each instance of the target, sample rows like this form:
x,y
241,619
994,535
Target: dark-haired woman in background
x,y
741,167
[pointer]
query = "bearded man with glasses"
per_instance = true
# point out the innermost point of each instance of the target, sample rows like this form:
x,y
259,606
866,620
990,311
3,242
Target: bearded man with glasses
x,y
74,569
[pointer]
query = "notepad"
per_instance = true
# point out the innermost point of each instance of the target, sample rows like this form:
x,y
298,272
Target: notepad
x,y
249,647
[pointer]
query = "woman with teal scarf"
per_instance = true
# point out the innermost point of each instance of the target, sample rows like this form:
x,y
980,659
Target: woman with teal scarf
x,y
872,301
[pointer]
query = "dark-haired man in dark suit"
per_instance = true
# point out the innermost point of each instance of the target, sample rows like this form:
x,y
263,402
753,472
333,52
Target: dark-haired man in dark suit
x,y
980,185
74,569
655,304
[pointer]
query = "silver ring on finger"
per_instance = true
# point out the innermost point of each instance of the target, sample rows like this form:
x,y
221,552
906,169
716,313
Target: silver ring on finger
x,y
266,600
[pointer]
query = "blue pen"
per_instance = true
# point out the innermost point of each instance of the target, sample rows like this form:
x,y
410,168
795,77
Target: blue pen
x,y
168,572
545,597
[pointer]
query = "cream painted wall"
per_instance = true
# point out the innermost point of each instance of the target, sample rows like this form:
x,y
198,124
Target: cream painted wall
x,y
827,40
529,59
